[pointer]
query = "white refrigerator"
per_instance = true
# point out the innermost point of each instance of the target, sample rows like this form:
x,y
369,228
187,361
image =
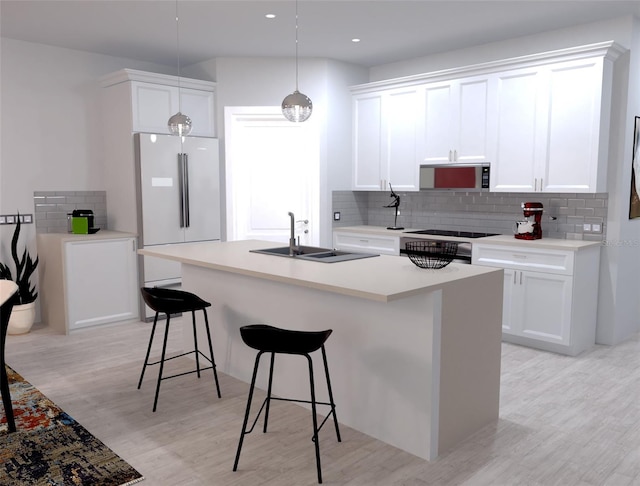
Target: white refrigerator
x,y
178,198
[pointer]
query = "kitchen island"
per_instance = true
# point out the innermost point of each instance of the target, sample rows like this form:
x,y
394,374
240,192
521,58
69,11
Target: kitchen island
x,y
415,353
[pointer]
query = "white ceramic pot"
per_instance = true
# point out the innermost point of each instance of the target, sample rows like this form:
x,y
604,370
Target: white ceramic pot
x,y
21,319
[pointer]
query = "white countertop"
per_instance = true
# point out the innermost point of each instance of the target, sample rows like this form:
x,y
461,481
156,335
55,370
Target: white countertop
x,y
100,235
508,240
382,278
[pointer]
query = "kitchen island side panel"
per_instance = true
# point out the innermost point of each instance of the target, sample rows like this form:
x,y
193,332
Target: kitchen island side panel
x,y
381,355
470,358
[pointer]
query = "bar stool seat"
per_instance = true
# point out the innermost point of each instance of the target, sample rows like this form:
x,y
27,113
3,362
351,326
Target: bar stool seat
x,y
170,302
270,339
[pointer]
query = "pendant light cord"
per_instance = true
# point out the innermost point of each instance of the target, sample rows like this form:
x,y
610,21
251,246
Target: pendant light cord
x,y
178,56
296,45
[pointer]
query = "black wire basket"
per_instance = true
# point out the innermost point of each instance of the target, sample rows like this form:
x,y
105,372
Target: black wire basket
x,y
431,253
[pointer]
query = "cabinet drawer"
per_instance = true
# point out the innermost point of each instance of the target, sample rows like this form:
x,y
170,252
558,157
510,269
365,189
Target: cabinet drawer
x,y
549,261
386,245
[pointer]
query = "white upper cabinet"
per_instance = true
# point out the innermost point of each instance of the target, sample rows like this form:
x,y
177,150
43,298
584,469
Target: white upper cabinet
x,y
553,125
457,121
575,131
541,121
385,143
155,98
517,143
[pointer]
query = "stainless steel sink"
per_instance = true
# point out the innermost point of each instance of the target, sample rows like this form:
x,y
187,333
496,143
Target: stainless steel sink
x,y
284,250
335,256
314,253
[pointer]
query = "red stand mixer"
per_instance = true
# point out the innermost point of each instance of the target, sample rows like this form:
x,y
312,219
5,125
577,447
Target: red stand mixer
x,y
530,228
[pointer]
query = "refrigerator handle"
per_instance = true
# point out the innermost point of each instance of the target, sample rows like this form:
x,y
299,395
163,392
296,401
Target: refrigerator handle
x,y
187,222
181,186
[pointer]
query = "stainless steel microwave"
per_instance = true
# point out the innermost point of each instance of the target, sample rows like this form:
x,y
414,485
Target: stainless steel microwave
x,y
455,177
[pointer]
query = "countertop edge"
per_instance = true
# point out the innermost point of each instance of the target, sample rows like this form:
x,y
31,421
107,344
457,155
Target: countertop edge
x,y
543,243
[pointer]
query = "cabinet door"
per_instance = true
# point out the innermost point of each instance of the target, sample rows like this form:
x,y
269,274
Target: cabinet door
x,y
199,105
511,322
153,105
101,281
457,121
367,152
574,91
439,123
400,163
546,306
516,141
474,118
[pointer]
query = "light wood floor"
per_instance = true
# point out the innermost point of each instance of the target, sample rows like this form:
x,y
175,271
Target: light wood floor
x,y
563,421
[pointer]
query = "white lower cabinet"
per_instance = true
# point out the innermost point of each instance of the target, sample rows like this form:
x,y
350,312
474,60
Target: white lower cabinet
x,y
366,243
101,281
550,296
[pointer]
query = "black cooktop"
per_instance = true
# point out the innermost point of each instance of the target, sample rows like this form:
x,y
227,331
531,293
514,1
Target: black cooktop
x,y
460,234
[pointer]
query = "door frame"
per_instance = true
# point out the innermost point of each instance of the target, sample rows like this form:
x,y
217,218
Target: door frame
x,y
235,116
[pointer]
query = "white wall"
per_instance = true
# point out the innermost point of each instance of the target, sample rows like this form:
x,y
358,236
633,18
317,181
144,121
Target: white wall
x,y
266,81
616,29
50,119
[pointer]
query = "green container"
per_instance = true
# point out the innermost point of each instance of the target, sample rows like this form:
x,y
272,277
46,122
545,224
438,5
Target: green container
x,y
80,225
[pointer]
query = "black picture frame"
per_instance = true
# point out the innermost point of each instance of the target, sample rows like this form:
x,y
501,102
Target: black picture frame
x,y
634,201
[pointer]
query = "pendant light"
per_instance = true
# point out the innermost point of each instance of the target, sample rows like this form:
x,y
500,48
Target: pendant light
x,y
297,106
179,124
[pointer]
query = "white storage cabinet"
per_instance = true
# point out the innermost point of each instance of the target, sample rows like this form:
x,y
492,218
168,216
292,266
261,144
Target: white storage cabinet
x,y
101,281
153,105
553,126
457,121
385,143
541,121
145,101
550,296
366,243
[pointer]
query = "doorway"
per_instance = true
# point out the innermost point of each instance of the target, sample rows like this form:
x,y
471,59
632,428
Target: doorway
x,y
272,168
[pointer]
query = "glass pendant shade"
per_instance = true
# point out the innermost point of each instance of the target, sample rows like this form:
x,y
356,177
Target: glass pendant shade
x,y
179,124
297,107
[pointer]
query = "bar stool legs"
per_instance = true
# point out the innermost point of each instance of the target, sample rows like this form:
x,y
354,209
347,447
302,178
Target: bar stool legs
x,y
163,357
313,402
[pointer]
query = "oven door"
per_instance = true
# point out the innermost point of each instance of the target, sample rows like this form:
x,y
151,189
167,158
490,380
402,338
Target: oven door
x,y
462,256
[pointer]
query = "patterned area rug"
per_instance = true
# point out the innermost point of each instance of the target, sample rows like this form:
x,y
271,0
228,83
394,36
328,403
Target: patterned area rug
x,y
50,448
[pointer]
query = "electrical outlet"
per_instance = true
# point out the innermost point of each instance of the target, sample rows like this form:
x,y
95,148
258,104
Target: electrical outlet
x,y
11,219
586,227
3,220
336,216
596,228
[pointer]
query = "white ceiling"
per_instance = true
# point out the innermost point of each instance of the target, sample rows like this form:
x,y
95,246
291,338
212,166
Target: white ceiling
x,y
390,30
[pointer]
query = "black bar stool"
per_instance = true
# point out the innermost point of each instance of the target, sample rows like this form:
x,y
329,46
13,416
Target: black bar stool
x,y
8,298
269,339
169,301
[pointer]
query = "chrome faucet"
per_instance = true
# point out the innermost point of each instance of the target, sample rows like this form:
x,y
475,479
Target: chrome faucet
x,y
292,239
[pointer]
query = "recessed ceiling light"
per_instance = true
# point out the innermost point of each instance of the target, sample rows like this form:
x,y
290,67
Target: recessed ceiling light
x,y
355,40
270,16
